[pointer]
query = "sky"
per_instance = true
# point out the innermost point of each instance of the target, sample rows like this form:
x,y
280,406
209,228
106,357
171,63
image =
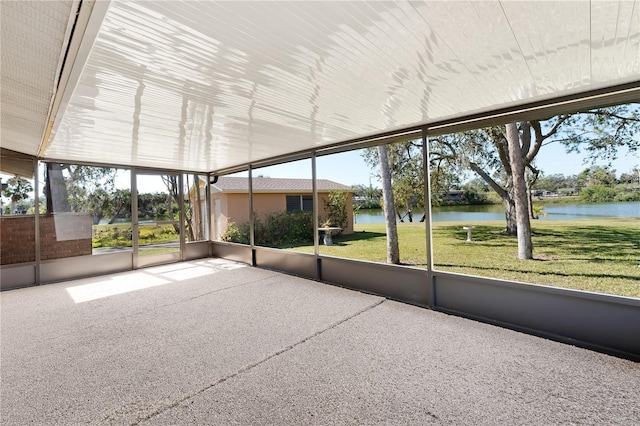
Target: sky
x,y
553,159
349,168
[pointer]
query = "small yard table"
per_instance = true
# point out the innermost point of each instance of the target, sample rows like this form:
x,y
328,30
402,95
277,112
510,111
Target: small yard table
x,y
327,234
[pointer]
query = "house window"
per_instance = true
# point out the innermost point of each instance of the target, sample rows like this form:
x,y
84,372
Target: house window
x,y
299,202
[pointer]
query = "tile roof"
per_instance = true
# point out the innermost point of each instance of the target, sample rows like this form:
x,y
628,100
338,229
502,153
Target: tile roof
x,y
265,184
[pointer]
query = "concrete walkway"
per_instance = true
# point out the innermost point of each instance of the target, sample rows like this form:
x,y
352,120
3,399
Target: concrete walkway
x,y
215,342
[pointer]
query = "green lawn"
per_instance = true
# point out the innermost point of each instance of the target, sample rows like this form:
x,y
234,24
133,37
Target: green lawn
x,y
158,250
596,255
119,235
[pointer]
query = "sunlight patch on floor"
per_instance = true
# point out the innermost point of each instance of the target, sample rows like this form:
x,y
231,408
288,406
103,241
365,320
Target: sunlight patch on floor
x,y
149,277
227,265
115,285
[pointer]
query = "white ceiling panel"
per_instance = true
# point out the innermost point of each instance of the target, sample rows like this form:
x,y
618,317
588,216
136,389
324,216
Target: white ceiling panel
x,y
557,60
615,39
208,85
32,43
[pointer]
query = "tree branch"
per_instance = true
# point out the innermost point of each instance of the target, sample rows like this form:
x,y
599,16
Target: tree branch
x,y
611,115
525,139
503,152
539,138
556,126
576,135
492,183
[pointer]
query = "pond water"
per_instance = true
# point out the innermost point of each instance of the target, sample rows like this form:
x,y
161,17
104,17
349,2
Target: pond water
x,y
496,212
121,221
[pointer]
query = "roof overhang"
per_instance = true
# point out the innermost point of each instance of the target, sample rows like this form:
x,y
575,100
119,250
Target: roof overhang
x,y
17,163
212,85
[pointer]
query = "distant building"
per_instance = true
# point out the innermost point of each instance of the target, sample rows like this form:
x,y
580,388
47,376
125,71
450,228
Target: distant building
x,y
565,192
454,195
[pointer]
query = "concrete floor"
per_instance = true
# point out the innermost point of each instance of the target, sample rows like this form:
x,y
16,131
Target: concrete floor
x,y
215,342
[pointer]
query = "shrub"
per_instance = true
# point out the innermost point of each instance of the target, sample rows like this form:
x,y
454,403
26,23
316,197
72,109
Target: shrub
x,y
626,194
597,194
607,194
539,211
278,229
336,207
473,197
234,234
370,204
284,229
111,236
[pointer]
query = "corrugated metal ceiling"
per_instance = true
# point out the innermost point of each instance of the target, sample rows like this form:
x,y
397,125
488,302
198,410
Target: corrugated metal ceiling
x,y
206,85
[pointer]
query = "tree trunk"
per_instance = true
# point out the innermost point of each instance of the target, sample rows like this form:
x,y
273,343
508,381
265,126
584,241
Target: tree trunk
x,y
525,246
97,217
531,180
530,201
196,212
393,250
56,189
510,216
171,182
